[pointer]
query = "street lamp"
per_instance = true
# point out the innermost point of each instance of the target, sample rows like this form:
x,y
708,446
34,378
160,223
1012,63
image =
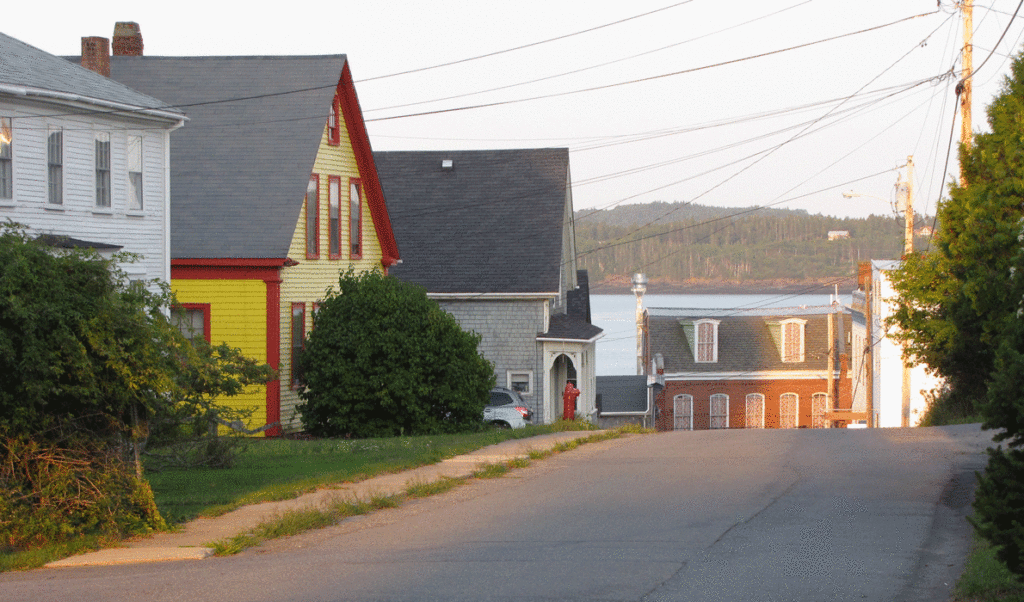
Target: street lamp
x,y
906,206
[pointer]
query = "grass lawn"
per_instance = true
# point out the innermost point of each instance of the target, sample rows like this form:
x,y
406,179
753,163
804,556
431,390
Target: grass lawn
x,y
276,469
985,579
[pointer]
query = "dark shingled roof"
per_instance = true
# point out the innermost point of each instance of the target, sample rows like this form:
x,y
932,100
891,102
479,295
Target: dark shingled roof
x,y
745,343
239,168
568,327
622,393
29,67
492,223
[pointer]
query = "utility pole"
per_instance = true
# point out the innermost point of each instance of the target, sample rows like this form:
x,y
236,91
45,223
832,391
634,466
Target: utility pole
x,y
964,87
869,352
908,233
908,248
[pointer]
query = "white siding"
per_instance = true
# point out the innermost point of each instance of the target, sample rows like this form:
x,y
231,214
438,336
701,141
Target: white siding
x,y
141,232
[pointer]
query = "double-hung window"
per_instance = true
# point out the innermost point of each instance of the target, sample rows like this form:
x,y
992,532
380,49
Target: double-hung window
x,y
334,198
133,152
334,123
6,159
754,411
193,320
313,217
102,170
298,342
789,411
355,218
719,411
683,412
793,340
707,341
55,166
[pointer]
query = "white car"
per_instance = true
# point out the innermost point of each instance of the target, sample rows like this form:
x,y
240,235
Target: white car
x,y
506,409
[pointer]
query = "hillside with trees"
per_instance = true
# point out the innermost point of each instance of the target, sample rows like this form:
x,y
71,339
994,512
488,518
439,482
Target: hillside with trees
x,y
680,243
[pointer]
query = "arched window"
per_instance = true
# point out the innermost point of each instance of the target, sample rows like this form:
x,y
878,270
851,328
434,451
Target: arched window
x,y
755,411
819,410
719,411
683,412
789,411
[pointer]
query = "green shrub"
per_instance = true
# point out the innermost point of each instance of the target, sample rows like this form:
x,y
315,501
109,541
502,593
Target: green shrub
x,y
384,360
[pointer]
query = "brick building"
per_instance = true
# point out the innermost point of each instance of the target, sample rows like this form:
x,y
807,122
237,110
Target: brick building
x,y
750,368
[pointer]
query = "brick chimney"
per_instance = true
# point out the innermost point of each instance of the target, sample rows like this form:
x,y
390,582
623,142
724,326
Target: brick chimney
x,y
127,39
96,55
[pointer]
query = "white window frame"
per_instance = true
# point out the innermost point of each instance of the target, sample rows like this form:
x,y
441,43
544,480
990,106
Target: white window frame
x,y
819,419
722,417
790,326
101,165
699,345
509,379
6,159
687,425
135,159
757,400
55,167
796,411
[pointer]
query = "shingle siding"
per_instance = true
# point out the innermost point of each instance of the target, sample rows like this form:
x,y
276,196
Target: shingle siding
x,y
508,331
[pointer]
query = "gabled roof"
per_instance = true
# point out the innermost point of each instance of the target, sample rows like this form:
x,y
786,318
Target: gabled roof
x,y
29,71
491,223
745,341
565,327
239,169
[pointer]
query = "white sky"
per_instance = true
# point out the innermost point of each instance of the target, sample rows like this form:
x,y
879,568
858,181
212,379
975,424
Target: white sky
x,y
615,156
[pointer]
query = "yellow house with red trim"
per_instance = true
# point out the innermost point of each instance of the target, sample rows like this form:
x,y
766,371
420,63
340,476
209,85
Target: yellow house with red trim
x,y
274,193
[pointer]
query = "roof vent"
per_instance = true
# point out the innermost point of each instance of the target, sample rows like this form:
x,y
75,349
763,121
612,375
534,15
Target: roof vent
x,y
447,164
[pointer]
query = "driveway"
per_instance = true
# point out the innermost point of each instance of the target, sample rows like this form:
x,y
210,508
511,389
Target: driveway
x,y
804,515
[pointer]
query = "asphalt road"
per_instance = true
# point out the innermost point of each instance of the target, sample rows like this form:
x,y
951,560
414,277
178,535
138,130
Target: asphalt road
x,y
807,515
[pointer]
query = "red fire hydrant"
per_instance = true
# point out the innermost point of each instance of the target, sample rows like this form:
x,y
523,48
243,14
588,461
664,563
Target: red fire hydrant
x,y
569,396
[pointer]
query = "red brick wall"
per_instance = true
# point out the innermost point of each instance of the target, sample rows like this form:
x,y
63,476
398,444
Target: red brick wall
x,y
737,391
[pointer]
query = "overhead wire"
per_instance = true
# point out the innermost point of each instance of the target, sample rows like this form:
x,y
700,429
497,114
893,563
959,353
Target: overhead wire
x,y
650,78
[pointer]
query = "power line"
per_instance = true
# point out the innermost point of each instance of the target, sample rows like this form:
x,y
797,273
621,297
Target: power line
x,y
651,78
524,46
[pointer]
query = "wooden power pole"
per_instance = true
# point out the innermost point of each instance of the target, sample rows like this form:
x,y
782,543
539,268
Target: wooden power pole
x,y
964,87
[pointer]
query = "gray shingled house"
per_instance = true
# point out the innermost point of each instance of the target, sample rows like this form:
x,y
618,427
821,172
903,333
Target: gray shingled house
x,y
490,236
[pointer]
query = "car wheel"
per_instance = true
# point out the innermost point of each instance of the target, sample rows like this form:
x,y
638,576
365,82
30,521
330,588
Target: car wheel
x,y
501,426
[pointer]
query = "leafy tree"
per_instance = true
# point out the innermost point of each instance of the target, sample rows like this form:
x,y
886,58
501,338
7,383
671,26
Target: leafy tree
x,y
963,310
955,300
384,360
88,361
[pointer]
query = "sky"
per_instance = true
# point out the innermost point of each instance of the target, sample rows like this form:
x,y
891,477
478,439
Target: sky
x,y
733,103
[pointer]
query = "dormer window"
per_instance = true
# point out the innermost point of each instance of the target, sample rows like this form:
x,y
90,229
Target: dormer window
x,y
793,340
702,335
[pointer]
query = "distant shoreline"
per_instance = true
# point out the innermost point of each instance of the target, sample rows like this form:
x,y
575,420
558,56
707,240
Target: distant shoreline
x,y
621,286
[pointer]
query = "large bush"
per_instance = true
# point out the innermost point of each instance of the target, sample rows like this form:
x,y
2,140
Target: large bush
x,y
384,360
88,363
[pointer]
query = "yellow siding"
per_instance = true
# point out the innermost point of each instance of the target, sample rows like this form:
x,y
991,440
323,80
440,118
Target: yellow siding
x,y
308,281
238,316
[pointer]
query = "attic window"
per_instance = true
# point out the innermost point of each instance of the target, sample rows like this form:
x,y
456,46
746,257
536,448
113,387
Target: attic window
x,y
447,164
334,123
789,337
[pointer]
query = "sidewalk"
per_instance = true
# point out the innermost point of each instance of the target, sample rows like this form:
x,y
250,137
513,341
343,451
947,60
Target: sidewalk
x,y
189,543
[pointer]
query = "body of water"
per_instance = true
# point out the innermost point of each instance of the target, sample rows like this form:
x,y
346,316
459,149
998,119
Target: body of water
x,y
616,314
